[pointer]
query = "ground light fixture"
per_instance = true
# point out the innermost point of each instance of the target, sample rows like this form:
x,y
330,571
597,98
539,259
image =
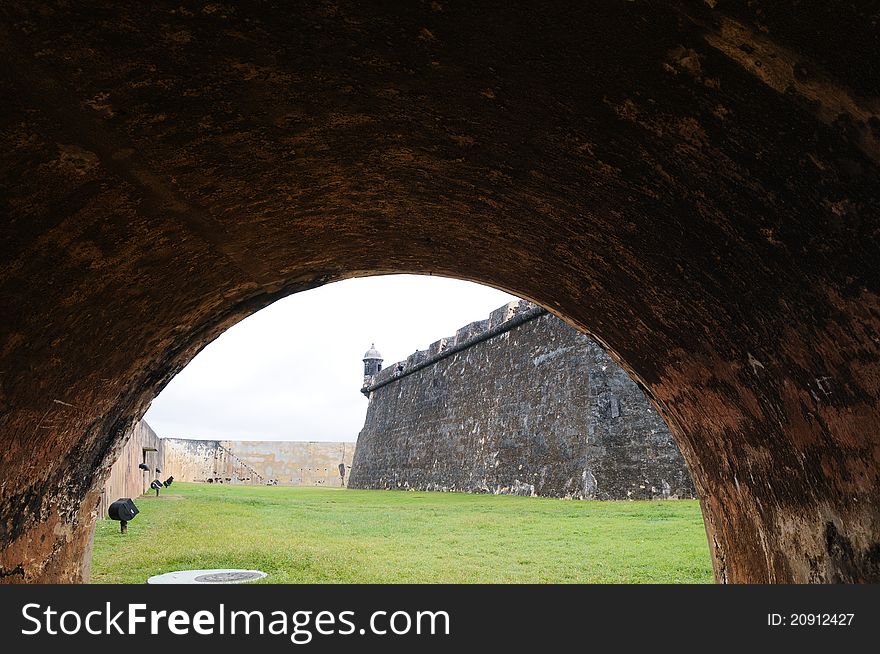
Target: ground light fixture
x,y
123,510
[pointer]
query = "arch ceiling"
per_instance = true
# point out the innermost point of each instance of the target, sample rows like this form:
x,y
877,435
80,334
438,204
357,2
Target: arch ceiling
x,y
694,183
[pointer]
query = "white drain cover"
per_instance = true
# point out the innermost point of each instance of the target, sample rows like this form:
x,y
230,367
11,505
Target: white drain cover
x,y
207,577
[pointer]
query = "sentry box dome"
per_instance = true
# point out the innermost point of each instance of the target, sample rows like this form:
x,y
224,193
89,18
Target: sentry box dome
x,y
123,510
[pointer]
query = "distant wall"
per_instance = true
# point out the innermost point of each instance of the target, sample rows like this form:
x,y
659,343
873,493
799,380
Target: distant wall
x,y
195,460
285,463
126,479
519,403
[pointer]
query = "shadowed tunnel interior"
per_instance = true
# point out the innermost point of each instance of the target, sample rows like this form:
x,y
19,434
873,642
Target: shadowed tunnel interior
x,y
693,183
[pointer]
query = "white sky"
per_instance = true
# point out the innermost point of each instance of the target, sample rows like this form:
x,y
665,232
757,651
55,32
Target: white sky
x,y
293,371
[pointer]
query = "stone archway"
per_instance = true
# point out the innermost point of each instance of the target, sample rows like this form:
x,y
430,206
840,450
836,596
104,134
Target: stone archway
x,y
695,184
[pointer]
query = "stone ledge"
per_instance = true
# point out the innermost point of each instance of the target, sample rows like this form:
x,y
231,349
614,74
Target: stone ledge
x,y
500,320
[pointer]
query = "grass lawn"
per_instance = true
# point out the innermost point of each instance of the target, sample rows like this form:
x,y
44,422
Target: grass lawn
x,y
318,535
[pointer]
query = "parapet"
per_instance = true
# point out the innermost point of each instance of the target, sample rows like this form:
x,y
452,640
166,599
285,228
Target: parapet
x,y
438,346
508,311
501,320
469,331
417,357
384,375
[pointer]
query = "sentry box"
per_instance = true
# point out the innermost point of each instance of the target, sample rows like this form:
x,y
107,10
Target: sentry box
x,y
123,510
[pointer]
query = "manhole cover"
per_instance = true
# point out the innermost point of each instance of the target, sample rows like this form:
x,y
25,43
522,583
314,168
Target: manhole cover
x,y
207,577
228,577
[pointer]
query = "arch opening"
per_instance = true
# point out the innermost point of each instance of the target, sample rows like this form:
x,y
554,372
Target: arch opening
x,y
513,403
643,170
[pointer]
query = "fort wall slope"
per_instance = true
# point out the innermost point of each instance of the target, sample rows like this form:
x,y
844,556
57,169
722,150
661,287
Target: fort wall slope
x,y
519,403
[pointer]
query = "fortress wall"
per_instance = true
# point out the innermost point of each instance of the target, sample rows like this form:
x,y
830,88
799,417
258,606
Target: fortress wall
x,y
195,460
535,408
295,463
125,478
285,463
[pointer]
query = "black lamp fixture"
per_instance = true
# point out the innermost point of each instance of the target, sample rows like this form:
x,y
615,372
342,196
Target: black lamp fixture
x,y
123,510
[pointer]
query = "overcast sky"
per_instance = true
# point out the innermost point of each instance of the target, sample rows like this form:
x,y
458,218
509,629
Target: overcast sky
x,y
293,371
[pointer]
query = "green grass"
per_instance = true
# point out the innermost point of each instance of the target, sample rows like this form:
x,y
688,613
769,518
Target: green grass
x,y
318,535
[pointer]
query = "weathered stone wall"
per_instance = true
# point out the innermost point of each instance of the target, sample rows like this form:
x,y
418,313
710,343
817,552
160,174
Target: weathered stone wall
x,y
125,478
521,403
285,463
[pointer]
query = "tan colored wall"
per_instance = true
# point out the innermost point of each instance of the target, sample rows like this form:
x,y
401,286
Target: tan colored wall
x,y
287,463
293,463
126,479
194,460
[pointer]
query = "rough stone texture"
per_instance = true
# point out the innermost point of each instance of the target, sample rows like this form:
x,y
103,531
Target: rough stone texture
x,y
693,183
282,463
125,479
537,408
